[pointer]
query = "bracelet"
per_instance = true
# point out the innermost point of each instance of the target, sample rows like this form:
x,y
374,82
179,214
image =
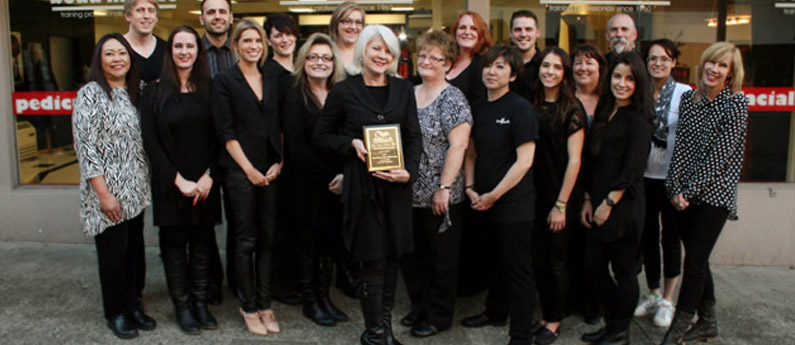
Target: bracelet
x,y
561,202
469,187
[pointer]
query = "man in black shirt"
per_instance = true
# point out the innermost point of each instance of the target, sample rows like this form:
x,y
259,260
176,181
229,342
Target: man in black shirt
x,y
622,34
148,49
524,33
217,18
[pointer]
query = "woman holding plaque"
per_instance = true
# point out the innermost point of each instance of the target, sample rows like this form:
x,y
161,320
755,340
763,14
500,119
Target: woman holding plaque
x,y
499,183
376,205
431,271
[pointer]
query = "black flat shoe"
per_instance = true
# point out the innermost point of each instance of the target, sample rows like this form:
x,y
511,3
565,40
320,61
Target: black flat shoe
x,y
621,338
412,319
142,321
424,329
122,327
546,336
593,337
481,320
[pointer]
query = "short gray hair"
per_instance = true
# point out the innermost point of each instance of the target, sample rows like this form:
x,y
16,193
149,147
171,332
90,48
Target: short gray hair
x,y
367,35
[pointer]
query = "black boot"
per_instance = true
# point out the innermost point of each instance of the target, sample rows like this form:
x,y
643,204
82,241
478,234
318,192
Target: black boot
x,y
187,321
323,286
204,318
312,309
706,328
618,338
390,285
371,300
346,279
175,263
201,252
678,328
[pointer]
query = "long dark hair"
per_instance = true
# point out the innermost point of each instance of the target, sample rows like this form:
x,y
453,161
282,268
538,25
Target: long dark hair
x,y
641,99
567,101
98,75
199,79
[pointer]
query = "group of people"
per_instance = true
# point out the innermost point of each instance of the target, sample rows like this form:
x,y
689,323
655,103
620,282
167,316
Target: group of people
x,y
559,166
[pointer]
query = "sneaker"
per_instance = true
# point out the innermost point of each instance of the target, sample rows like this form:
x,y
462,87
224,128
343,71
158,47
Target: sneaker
x,y
647,305
664,315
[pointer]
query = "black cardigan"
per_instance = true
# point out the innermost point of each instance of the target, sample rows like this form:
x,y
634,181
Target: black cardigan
x,y
240,116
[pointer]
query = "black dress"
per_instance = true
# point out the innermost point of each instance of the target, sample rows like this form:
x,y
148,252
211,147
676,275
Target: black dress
x,y
377,213
470,82
179,136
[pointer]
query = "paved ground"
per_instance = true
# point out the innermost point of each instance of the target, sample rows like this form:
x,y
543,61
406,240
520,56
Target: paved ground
x,y
49,294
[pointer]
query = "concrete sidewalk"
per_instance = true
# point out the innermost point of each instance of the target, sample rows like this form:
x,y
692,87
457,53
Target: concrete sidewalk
x,y
49,294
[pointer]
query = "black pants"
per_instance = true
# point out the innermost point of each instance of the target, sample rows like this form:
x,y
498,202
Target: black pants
x,y
618,293
700,227
658,208
582,295
550,263
186,253
254,213
472,270
431,271
231,273
512,289
120,249
285,248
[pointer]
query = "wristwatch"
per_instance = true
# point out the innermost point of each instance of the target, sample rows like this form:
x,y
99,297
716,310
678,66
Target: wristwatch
x,y
561,207
443,187
609,201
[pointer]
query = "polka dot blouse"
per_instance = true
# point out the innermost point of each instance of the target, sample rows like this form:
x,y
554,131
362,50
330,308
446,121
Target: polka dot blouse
x,y
708,154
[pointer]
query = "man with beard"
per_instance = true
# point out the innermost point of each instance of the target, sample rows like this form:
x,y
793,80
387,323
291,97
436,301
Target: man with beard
x,y
621,34
216,17
148,49
524,33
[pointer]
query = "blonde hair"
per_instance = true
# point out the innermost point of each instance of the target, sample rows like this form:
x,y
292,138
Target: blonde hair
x,y
718,51
128,5
367,35
300,61
244,25
341,12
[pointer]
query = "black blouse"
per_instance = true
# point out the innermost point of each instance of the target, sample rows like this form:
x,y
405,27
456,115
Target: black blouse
x,y
708,154
614,158
552,150
179,136
470,82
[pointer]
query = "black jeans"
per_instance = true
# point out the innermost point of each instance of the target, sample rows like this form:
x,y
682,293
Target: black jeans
x,y
186,252
254,212
120,249
431,271
550,263
512,290
618,293
700,227
658,208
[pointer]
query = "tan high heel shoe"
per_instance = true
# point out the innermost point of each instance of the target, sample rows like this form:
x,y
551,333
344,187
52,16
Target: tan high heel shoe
x,y
253,323
269,320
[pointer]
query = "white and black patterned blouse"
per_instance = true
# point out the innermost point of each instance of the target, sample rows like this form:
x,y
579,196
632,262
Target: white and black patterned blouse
x,y
446,112
107,136
708,155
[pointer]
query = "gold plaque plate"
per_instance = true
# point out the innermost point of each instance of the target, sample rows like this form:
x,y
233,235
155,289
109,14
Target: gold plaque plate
x,y
384,147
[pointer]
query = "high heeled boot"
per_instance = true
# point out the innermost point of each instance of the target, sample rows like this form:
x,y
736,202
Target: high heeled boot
x,y
706,328
390,285
678,328
312,309
371,299
324,275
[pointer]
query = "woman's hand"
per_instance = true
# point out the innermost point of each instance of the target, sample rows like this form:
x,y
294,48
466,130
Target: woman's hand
x,y
602,214
556,220
441,201
205,184
679,202
472,195
188,188
399,175
256,178
484,202
273,172
586,214
361,152
335,186
110,207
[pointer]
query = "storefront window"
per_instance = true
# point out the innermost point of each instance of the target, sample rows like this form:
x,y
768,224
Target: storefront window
x,y
52,42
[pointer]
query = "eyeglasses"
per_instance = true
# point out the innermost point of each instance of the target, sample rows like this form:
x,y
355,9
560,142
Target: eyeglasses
x,y
324,58
349,22
662,59
432,59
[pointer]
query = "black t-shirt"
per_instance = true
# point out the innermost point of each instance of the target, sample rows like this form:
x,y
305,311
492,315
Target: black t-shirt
x,y
149,68
470,82
523,85
552,150
500,127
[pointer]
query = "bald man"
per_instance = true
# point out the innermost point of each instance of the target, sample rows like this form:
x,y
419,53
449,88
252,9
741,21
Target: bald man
x,y
621,34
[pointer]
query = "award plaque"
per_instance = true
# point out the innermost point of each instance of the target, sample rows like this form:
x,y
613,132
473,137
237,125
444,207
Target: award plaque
x,y
384,147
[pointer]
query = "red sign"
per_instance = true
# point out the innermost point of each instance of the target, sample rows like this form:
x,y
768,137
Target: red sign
x,y
43,103
770,98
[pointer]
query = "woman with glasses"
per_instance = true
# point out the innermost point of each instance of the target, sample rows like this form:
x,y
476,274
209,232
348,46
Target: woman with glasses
x,y
347,21
431,271
660,61
315,181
